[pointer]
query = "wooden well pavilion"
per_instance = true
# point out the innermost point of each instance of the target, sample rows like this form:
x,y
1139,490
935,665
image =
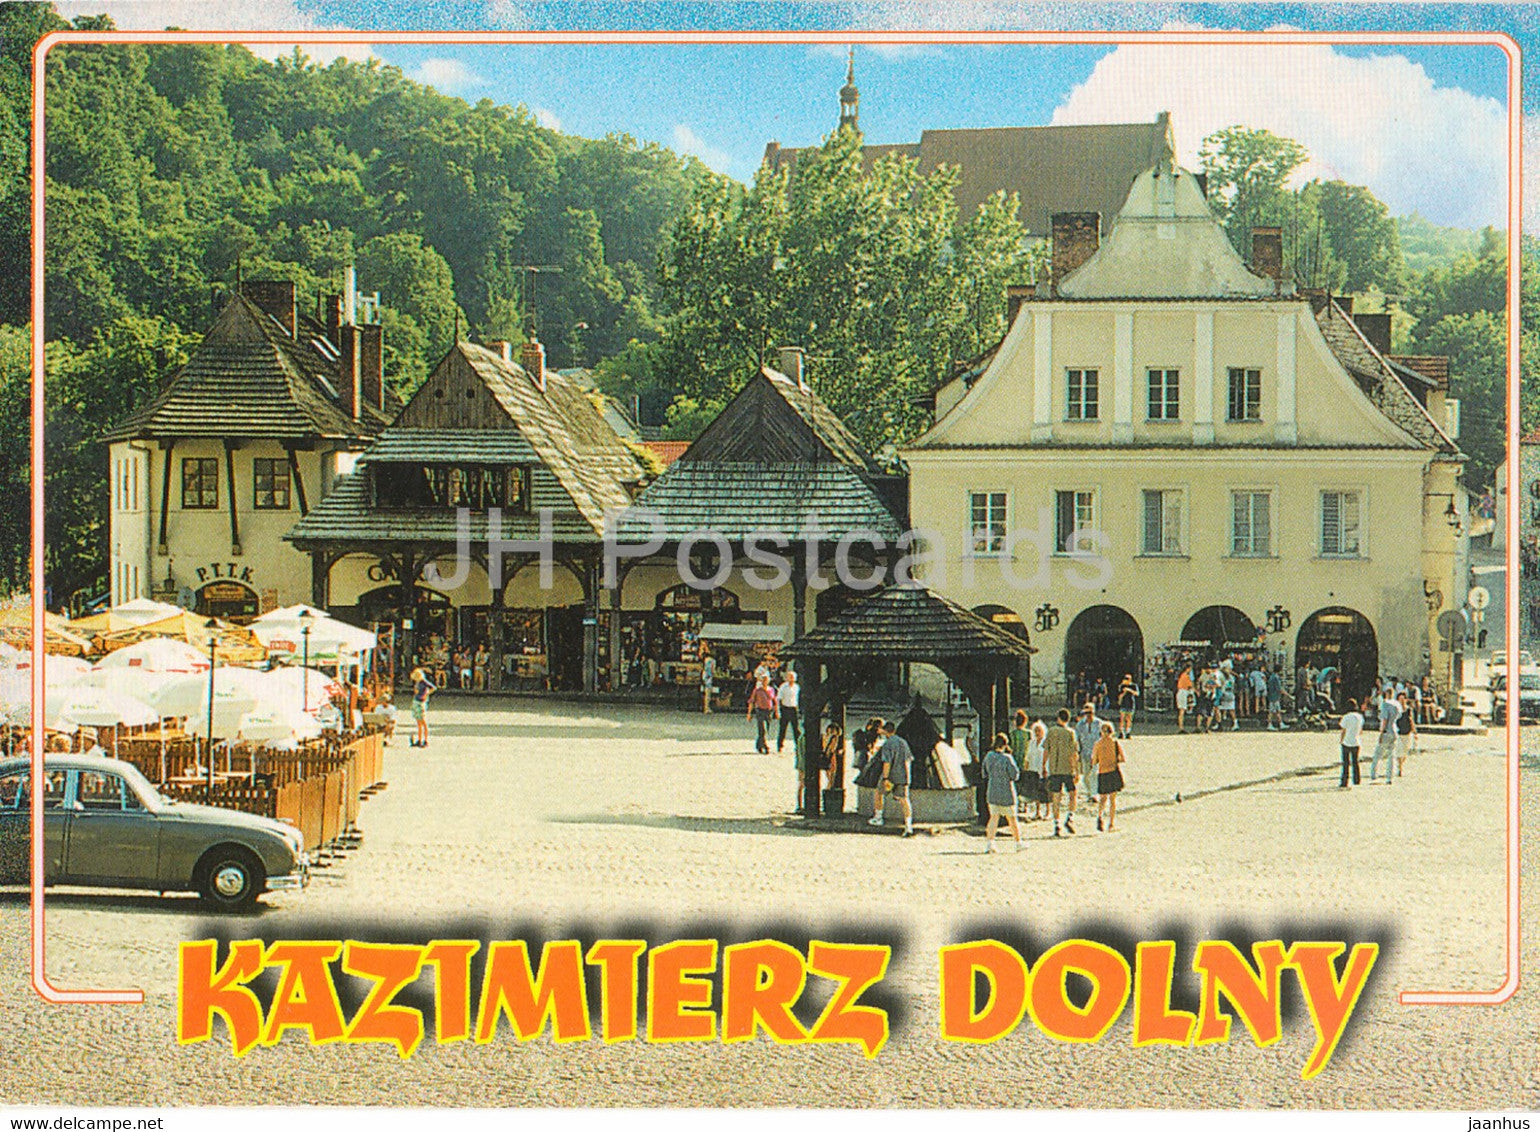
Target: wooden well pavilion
x,y
903,623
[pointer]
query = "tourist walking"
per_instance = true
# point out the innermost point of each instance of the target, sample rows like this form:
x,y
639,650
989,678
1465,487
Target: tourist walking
x,y
896,759
1000,773
1088,729
1020,739
1109,779
788,696
862,742
1208,691
762,709
1186,699
1406,732
422,688
1390,712
1034,788
1128,701
708,679
1226,702
1061,760
1350,738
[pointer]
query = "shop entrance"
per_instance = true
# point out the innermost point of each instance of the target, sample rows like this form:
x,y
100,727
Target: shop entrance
x,y
228,600
1104,644
564,637
1342,638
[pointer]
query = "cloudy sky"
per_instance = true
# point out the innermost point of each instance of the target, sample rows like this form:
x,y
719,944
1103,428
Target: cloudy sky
x,y
1423,125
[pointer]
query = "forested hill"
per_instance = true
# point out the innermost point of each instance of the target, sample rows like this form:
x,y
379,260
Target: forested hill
x,y
167,164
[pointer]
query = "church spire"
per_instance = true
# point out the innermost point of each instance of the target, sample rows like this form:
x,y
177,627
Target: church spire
x,y
850,97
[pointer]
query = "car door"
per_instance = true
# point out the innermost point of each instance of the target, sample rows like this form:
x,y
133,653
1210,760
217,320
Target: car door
x,y
15,825
112,838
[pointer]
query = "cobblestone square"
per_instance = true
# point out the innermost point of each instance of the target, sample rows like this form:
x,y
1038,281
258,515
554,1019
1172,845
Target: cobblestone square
x,y
552,818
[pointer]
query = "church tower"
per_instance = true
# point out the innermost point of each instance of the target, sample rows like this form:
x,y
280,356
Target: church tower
x,y
850,97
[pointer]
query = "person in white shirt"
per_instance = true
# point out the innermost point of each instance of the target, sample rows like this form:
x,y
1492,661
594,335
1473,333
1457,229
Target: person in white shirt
x,y
1352,729
789,694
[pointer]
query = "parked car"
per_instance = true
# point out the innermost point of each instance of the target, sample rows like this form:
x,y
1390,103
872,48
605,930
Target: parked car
x,y
105,825
1529,696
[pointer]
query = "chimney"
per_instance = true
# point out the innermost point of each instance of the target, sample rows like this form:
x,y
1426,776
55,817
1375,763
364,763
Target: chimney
x,y
350,296
791,364
1267,252
502,347
371,365
349,369
333,316
1015,295
1376,328
533,360
275,297
1076,236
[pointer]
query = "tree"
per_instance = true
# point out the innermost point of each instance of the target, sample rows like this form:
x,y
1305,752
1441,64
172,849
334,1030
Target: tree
x,y
1246,171
1361,236
869,270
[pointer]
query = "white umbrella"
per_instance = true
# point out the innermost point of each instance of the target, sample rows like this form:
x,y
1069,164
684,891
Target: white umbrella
x,y
141,611
64,670
12,657
291,613
141,683
329,639
157,654
304,689
16,690
277,725
189,695
96,707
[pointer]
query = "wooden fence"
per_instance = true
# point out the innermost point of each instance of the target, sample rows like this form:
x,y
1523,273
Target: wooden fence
x,y
319,787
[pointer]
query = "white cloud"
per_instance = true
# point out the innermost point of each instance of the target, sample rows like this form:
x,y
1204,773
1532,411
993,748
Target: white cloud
x,y
1378,121
447,76
547,118
231,15
688,141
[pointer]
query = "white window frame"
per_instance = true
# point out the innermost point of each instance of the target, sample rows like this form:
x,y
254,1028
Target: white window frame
x,y
1181,524
1230,372
993,549
1095,506
1070,404
1272,522
1361,550
1165,386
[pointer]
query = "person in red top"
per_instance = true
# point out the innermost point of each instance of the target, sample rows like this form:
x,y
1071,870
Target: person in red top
x,y
763,707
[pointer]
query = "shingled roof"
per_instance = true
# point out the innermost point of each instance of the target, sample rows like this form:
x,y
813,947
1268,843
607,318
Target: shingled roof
x,y
1379,379
907,622
1050,168
514,419
776,418
740,499
248,378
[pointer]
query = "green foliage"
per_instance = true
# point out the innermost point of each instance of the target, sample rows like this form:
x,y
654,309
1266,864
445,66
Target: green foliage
x,y
1425,244
869,270
169,165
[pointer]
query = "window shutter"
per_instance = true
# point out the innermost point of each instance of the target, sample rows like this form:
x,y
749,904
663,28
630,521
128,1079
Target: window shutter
x,y
1331,522
1152,522
1261,523
1172,513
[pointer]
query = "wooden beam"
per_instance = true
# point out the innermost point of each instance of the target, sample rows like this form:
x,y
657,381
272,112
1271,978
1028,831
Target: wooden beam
x,y
235,523
165,494
299,482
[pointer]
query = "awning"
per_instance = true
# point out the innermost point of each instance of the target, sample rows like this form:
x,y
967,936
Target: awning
x,y
749,633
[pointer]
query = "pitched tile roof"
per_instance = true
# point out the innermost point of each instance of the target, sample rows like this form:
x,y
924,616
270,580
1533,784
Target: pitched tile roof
x,y
248,378
1379,379
739,499
907,622
1051,168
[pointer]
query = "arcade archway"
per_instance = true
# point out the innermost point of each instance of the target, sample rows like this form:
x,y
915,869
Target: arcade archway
x,y
1221,628
1342,638
1104,642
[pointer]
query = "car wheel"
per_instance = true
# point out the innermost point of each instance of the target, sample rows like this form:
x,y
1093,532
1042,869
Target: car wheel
x,y
230,878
